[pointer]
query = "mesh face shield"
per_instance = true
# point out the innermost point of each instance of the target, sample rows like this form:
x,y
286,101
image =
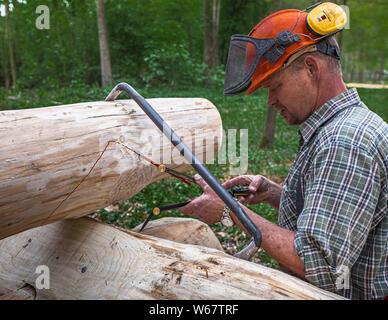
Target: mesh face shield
x,y
245,53
243,58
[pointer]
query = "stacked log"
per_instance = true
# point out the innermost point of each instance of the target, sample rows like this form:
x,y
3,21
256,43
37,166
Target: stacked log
x,y
46,152
87,259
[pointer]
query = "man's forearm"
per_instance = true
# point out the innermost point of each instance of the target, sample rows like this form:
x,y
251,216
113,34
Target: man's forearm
x,y
277,242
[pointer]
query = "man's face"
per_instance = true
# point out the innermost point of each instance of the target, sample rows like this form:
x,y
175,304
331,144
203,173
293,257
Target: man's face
x,y
292,93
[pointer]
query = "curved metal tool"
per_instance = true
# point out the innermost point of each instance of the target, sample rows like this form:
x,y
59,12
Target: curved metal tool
x,y
253,230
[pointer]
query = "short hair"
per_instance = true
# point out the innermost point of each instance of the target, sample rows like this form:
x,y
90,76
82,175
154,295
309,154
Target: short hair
x,y
333,63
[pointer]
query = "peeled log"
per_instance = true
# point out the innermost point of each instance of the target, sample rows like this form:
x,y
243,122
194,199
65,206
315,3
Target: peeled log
x,y
92,260
46,152
187,231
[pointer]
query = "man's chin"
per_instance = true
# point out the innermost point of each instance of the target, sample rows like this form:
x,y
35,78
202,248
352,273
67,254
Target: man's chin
x,y
291,121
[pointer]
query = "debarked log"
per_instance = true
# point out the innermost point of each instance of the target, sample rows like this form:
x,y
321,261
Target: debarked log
x,y
45,154
86,259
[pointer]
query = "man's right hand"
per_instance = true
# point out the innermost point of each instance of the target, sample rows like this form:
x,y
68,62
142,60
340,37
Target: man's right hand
x,y
261,188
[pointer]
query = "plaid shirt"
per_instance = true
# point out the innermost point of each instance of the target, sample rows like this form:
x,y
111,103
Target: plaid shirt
x,y
342,230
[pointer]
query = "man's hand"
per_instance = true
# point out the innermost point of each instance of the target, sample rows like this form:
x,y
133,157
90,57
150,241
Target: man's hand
x,y
208,207
261,188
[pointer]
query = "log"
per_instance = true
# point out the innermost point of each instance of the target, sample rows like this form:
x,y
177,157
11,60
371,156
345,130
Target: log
x,y
180,230
46,152
91,260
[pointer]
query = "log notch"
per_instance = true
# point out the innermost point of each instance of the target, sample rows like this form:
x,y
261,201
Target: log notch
x,y
46,152
92,260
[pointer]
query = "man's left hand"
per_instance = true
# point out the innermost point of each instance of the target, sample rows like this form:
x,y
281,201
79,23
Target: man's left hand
x,y
208,207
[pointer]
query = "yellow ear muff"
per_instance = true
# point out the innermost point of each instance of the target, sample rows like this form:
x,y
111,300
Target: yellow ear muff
x,y
326,18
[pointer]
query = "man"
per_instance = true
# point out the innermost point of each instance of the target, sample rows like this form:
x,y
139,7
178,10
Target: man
x,y
332,226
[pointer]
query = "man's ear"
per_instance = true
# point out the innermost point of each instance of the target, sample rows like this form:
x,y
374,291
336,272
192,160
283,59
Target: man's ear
x,y
312,66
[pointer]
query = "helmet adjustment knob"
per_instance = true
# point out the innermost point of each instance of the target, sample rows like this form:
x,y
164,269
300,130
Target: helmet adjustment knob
x,y
286,38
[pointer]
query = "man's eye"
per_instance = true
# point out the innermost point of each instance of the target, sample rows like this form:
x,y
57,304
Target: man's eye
x,y
276,88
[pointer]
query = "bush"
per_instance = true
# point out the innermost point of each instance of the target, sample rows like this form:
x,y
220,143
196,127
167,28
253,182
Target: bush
x,y
176,68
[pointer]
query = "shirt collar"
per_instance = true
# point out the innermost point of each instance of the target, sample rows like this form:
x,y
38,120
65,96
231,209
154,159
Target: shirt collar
x,y
327,111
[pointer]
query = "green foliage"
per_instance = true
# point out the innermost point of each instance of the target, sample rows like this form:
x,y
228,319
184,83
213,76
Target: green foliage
x,y
172,66
152,42
157,42
239,17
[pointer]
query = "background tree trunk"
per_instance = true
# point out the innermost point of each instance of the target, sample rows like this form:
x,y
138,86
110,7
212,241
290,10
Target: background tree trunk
x,y
106,71
10,44
4,59
270,125
347,64
381,73
340,38
353,66
207,44
269,129
360,67
215,25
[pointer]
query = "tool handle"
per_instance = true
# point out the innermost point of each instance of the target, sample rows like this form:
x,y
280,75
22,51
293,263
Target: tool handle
x,y
253,230
174,206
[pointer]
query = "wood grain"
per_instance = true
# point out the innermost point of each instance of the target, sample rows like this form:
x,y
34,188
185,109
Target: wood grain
x,y
46,152
92,260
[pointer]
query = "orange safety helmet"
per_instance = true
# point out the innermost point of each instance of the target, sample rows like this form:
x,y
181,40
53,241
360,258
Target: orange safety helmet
x,y
270,27
272,44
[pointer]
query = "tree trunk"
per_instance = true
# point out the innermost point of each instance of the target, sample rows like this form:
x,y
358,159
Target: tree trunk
x,y
86,259
10,44
341,34
106,71
4,59
347,63
270,125
269,130
207,44
215,24
360,68
51,150
381,73
353,66
365,72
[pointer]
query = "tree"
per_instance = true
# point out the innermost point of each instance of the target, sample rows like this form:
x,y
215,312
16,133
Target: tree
x,y
215,25
381,71
4,58
270,124
106,70
10,44
211,25
207,36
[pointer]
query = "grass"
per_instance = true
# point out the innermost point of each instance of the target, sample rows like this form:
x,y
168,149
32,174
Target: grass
x,y
239,112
